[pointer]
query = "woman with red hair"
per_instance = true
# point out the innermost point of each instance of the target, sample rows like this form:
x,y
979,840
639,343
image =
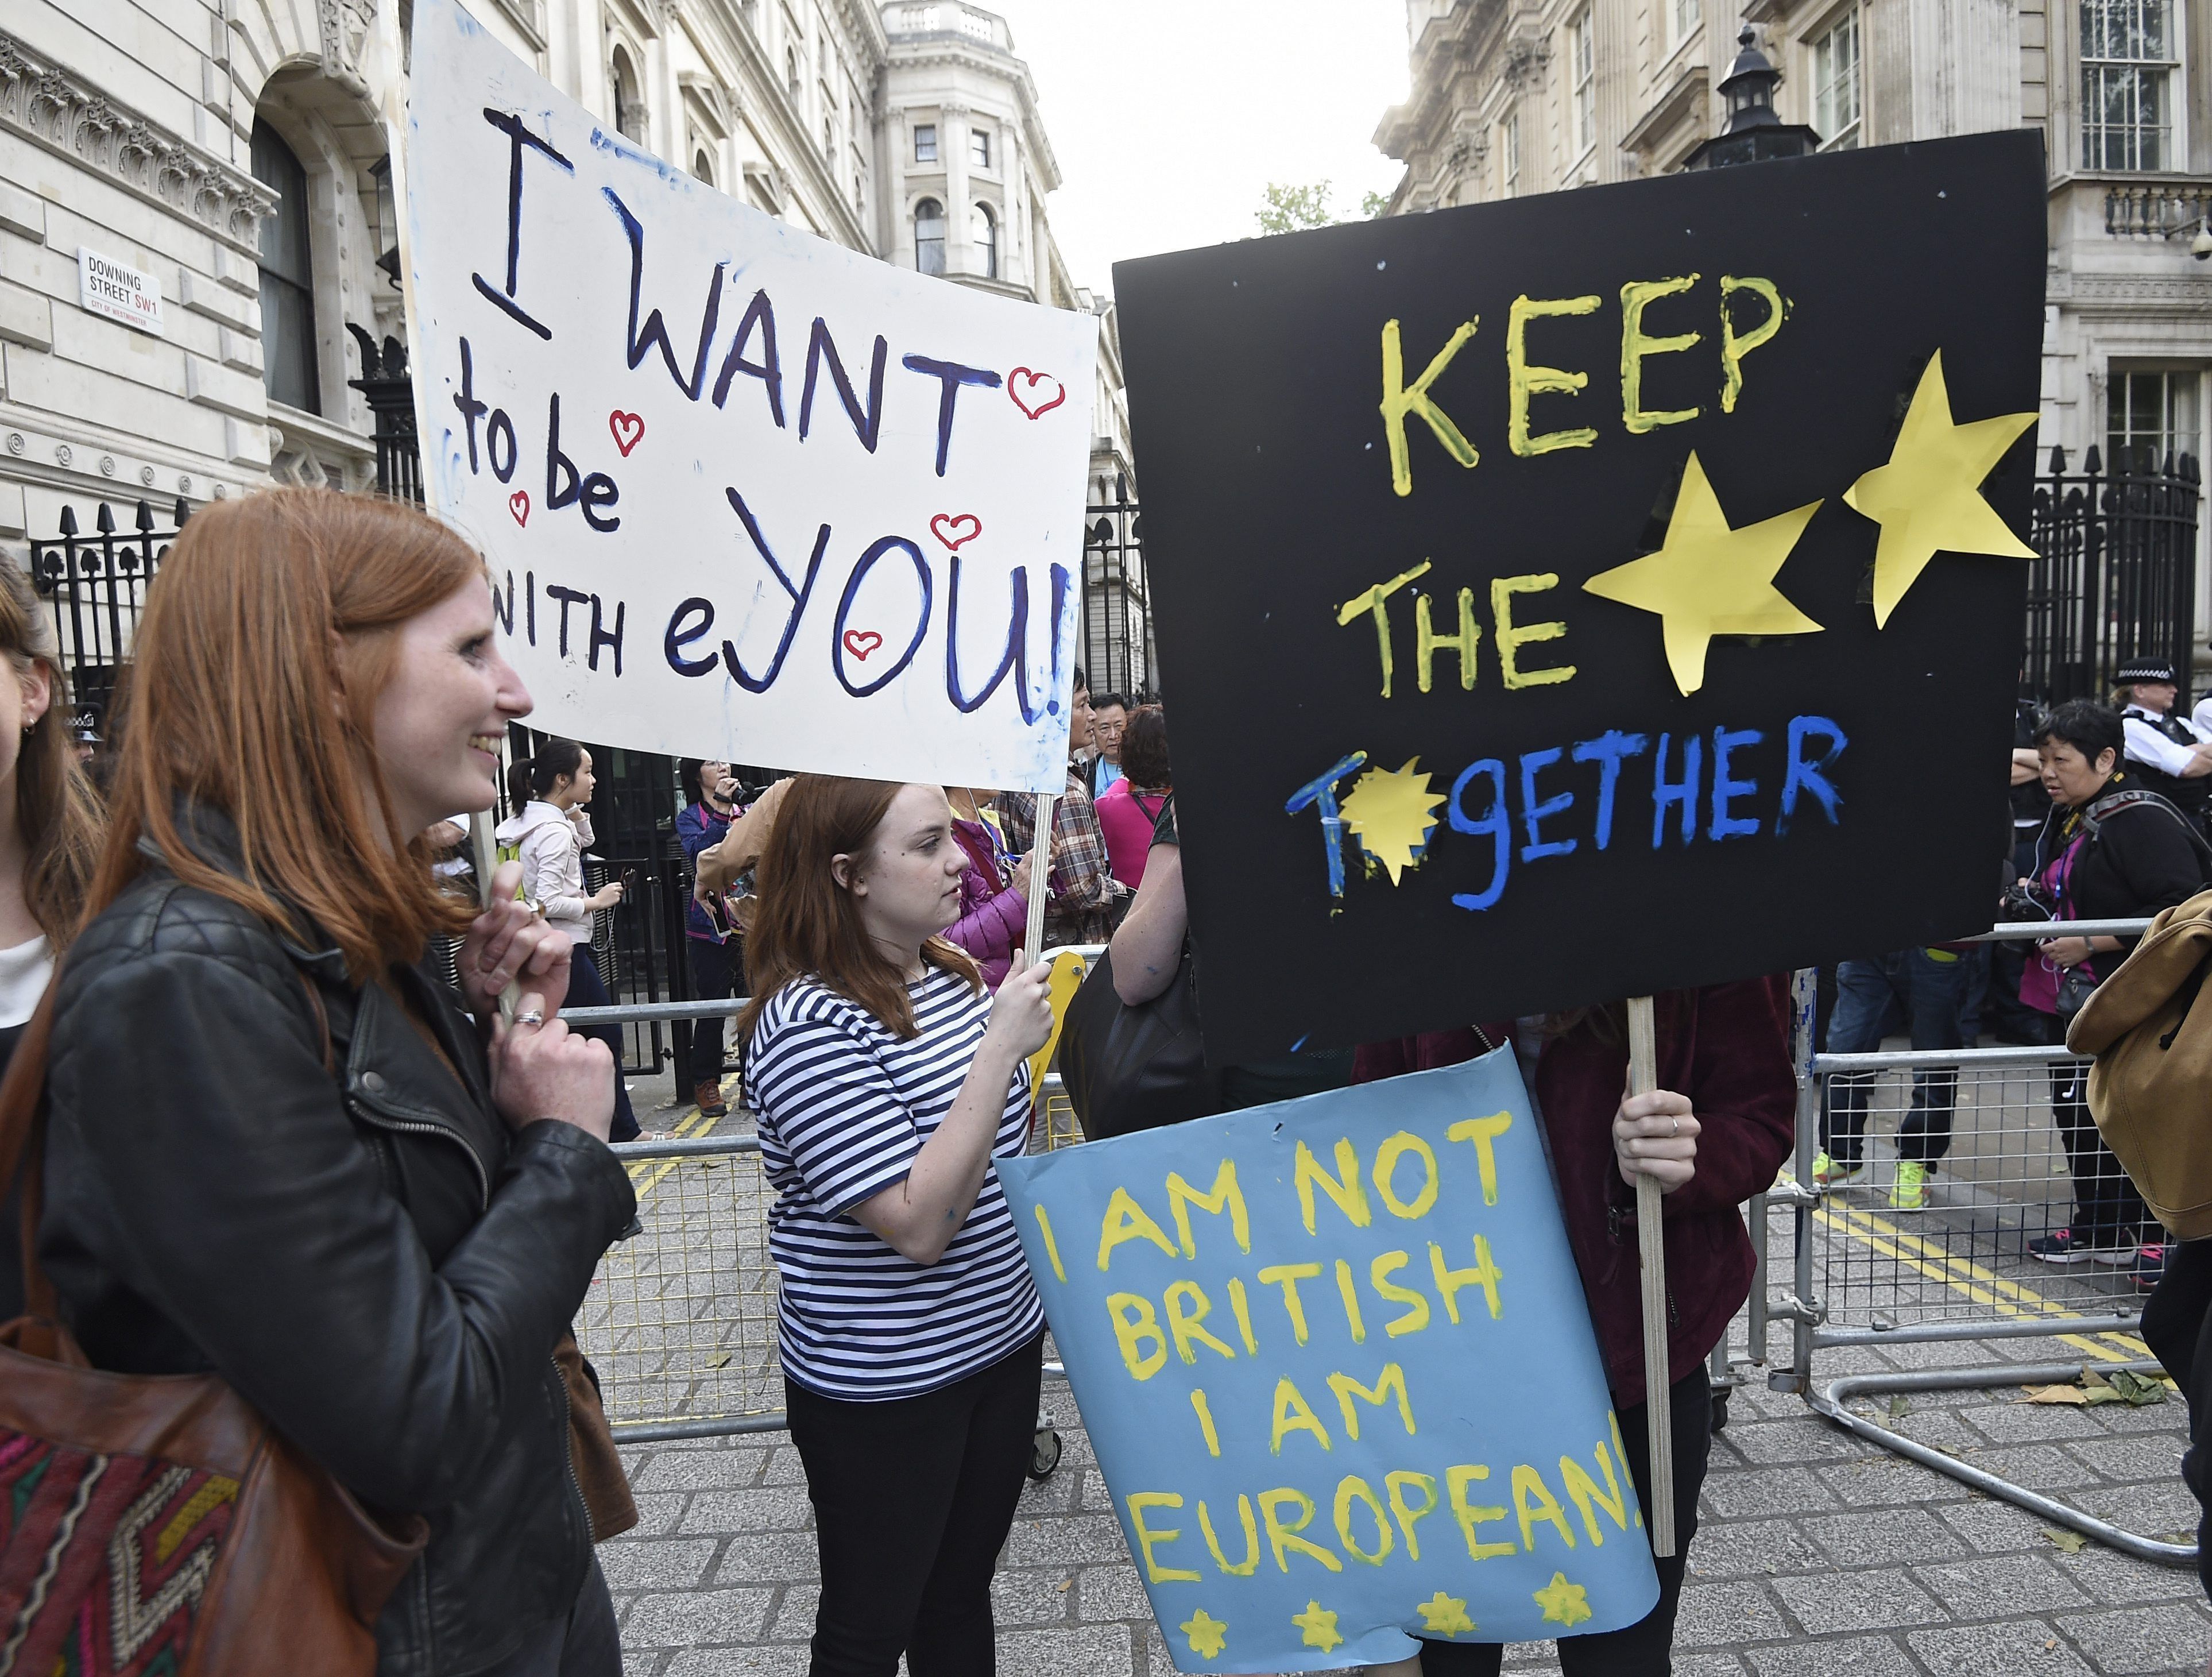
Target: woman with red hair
x,y
372,1212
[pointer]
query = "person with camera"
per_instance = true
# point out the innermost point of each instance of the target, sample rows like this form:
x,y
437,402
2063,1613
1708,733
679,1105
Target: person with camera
x,y
887,1080
549,837
2109,850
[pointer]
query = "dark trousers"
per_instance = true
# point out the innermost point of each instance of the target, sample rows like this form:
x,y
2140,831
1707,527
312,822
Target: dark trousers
x,y
587,989
1642,1649
951,1463
716,969
583,1645
1928,988
2177,1325
2106,1207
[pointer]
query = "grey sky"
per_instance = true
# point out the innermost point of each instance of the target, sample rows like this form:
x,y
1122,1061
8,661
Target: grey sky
x,y
1170,117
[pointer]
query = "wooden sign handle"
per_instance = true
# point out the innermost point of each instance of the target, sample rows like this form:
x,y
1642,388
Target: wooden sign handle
x,y
1040,879
1651,1248
487,855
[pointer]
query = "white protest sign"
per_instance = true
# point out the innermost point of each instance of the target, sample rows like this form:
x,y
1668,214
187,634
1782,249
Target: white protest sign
x,y
743,493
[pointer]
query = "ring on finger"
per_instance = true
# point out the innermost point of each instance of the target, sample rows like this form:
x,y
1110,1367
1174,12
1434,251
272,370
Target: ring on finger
x,y
1673,1126
530,1015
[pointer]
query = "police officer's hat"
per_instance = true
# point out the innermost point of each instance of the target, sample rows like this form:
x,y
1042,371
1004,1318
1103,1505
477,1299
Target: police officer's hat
x,y
84,725
2144,670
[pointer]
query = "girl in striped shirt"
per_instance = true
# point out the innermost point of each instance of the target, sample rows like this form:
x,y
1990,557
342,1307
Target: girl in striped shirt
x,y
886,1080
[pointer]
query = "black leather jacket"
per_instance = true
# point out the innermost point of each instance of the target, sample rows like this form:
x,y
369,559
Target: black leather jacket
x,y
366,1254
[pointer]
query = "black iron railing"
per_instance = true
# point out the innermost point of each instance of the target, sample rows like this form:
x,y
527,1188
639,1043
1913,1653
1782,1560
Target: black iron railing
x,y
1118,654
96,584
2116,580
389,389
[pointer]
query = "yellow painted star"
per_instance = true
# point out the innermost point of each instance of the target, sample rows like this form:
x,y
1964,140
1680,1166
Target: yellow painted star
x,y
1708,579
1207,1636
1564,1603
1319,1625
1392,814
1928,500
1443,1616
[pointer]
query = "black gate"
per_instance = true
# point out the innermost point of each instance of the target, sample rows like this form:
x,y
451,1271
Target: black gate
x,y
2116,580
96,584
1118,655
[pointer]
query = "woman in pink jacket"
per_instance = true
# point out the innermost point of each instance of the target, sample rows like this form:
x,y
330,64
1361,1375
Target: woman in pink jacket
x,y
994,901
1130,808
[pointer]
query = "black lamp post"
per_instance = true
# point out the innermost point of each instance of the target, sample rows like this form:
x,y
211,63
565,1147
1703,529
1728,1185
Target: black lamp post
x,y
1753,131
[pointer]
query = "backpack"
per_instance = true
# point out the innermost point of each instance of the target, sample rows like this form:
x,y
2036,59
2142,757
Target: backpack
x,y
2149,1088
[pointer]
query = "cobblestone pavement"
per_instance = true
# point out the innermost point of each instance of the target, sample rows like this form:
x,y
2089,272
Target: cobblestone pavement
x,y
1817,1553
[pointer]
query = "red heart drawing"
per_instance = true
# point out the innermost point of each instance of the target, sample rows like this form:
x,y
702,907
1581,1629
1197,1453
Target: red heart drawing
x,y
955,529
861,641
518,504
629,429
1035,381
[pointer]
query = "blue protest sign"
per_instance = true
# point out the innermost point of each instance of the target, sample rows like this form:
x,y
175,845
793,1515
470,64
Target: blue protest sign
x,y
1336,1364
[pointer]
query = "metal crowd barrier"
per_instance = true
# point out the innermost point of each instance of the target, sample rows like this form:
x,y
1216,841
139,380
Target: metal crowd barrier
x,y
680,1323
1864,1274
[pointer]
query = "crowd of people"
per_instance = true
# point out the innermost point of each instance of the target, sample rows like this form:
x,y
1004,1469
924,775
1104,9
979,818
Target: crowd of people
x,y
372,1202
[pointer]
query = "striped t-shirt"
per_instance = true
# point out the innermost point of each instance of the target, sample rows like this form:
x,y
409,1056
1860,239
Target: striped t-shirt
x,y
844,1106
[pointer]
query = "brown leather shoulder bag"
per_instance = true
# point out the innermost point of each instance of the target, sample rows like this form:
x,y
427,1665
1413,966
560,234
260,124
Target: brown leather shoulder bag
x,y
157,1522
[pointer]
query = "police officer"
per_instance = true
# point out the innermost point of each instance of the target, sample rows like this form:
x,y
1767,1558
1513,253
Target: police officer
x,y
2166,753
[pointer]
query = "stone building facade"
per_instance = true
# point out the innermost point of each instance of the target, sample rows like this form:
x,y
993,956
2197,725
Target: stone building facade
x,y
233,156
1512,97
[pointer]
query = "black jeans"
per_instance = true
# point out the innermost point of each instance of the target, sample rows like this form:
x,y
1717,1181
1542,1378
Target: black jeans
x,y
587,989
2177,1325
1642,1649
716,968
584,1644
913,1499
2107,1210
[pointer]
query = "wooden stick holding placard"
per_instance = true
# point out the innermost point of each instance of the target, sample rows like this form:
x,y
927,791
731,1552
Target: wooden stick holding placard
x,y
487,855
1040,878
1651,1248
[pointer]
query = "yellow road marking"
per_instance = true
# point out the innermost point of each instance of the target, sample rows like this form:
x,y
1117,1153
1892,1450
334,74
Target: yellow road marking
x,y
1981,1284
661,1168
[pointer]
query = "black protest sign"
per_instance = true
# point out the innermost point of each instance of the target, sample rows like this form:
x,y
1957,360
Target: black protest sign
x,y
1591,594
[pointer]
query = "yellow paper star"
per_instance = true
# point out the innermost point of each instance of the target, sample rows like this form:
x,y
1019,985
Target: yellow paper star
x,y
1443,1616
1392,814
1708,579
1319,1625
1564,1603
1207,1636
1928,500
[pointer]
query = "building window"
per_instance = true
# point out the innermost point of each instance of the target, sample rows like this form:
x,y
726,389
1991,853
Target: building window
x,y
984,231
925,142
829,133
1836,98
1509,154
629,109
288,277
1582,73
859,196
979,148
1682,17
703,167
2152,419
929,236
790,71
2129,61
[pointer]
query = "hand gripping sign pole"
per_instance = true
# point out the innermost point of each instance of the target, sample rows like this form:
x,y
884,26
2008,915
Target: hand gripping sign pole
x,y
1651,1248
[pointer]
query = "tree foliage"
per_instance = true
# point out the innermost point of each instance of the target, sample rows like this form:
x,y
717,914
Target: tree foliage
x,y
1288,208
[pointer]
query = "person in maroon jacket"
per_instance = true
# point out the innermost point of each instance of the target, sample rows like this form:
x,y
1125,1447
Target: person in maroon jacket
x,y
1713,1134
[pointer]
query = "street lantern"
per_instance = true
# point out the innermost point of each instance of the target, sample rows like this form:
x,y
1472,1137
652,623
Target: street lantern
x,y
387,220
1753,131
